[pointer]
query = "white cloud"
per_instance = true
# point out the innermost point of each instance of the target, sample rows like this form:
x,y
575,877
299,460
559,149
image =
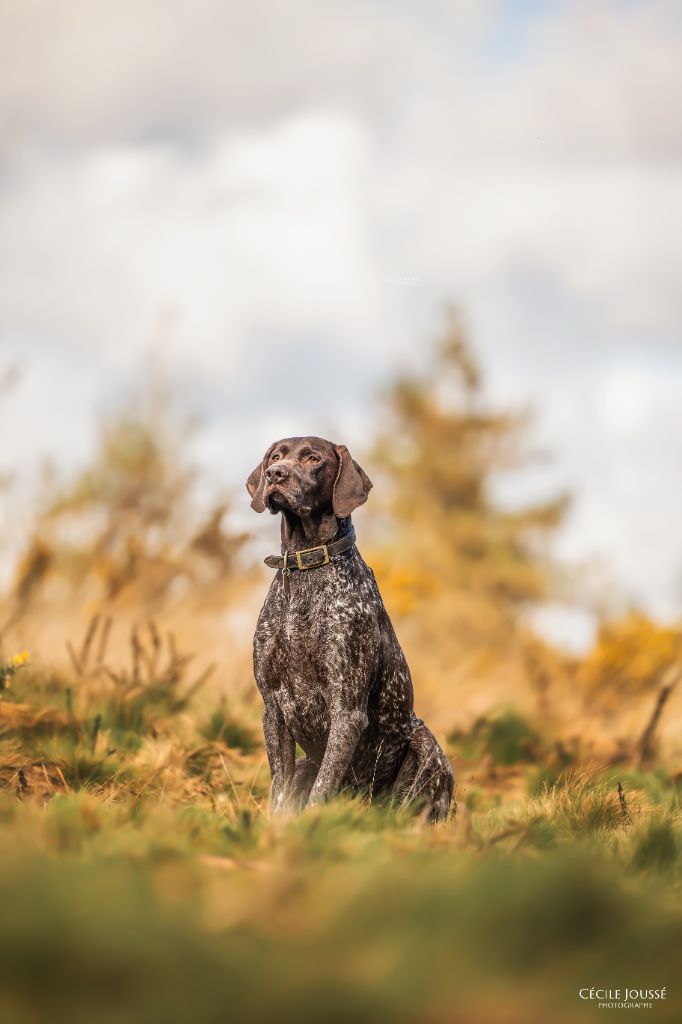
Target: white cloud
x,y
628,399
271,192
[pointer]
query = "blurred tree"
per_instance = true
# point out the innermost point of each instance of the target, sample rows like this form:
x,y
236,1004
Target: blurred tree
x,y
129,517
455,555
631,657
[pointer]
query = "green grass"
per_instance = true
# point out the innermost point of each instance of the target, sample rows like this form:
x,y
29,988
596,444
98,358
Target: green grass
x,y
121,912
227,727
143,879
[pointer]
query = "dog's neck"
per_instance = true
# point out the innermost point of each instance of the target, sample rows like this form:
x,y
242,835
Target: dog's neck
x,y
299,532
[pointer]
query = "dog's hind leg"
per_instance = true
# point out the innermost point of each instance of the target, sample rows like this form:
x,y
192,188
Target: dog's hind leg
x,y
303,781
425,778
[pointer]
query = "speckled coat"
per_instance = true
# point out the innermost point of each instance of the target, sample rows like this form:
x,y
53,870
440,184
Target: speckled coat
x,y
334,680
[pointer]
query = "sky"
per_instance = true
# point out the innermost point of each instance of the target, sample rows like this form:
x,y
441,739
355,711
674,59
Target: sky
x,y
277,192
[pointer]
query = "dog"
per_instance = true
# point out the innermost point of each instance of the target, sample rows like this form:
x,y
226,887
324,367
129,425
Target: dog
x,y
327,662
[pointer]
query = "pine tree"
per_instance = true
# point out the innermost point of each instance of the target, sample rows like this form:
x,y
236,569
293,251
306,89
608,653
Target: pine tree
x,y
129,520
455,555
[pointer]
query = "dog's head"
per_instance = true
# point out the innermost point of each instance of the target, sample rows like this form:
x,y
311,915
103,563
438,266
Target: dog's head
x,y
307,475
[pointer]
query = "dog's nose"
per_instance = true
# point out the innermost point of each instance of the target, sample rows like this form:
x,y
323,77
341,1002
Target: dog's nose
x,y
277,473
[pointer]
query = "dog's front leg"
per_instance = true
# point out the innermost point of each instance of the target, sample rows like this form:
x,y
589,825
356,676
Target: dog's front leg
x,y
281,750
346,728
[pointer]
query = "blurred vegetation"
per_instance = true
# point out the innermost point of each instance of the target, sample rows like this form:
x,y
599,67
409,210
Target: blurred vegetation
x,y
440,452
143,878
630,657
459,568
142,875
129,521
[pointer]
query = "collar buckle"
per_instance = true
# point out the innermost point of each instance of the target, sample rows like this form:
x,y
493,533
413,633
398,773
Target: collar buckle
x,y
316,562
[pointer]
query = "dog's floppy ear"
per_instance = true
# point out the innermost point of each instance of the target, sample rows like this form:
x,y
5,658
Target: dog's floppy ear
x,y
256,482
352,485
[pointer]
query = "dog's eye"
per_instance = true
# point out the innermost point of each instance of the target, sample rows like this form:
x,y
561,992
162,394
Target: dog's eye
x,y
312,458
275,457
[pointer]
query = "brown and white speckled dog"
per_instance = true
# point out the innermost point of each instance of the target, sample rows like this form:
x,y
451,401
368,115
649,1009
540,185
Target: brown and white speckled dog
x,y
329,667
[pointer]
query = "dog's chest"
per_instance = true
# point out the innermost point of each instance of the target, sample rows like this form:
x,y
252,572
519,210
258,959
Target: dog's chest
x,y
296,636
304,644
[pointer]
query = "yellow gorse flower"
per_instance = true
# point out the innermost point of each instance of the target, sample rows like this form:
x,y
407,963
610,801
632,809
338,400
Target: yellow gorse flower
x,y
9,668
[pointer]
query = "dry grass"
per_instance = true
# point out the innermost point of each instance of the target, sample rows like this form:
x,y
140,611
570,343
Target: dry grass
x,y
143,877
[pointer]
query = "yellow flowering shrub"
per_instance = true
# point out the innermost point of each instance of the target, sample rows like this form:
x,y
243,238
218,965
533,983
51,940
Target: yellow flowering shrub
x,y
630,656
9,668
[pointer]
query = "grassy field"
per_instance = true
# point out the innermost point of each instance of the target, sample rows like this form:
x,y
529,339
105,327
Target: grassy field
x,y
143,878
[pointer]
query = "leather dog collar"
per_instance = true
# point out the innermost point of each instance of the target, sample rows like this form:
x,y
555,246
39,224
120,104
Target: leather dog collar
x,y
312,558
